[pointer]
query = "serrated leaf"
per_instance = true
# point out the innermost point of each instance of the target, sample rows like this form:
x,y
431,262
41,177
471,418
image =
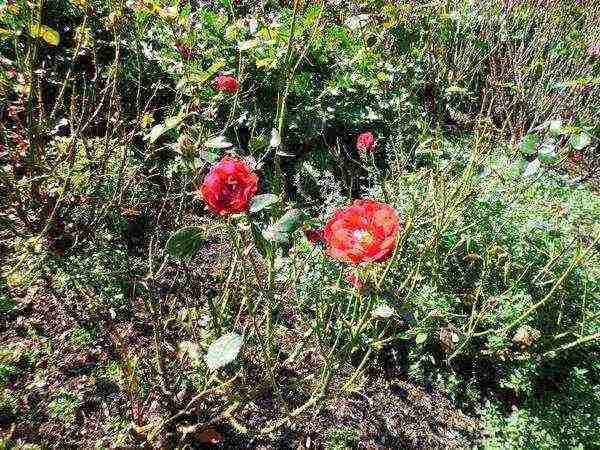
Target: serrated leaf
x,y
421,338
223,351
199,79
555,127
287,224
218,142
454,89
383,311
185,242
266,62
531,168
547,153
260,202
46,33
232,31
529,144
5,32
275,138
580,141
172,122
215,67
156,132
247,45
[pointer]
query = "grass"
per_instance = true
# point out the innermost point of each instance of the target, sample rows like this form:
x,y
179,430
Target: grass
x,y
126,302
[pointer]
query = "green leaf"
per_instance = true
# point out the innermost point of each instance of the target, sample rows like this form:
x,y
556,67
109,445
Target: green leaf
x,y
7,224
261,243
421,338
287,224
223,351
185,242
232,31
547,153
4,33
580,141
199,79
209,157
247,45
158,130
266,62
383,311
529,144
262,201
515,168
531,168
172,122
46,33
218,142
454,89
555,127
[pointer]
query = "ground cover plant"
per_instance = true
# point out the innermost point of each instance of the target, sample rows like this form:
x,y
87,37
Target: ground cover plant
x,y
304,224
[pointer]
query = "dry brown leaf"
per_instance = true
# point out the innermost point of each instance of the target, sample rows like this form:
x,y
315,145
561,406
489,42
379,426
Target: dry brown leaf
x,y
210,436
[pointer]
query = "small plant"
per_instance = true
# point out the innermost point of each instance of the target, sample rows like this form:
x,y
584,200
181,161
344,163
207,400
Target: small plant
x,y
342,438
64,406
83,336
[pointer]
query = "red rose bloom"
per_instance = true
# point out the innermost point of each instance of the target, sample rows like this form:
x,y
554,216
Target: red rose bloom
x,y
225,83
365,142
365,231
229,186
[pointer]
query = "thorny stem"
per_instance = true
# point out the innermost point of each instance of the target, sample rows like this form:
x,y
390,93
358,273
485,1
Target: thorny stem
x,y
264,345
156,314
556,285
582,340
364,361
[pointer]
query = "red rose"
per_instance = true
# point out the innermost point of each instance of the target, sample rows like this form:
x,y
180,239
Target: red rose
x,y
225,83
365,142
363,232
229,186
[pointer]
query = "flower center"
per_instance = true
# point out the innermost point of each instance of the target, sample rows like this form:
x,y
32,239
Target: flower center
x,y
363,237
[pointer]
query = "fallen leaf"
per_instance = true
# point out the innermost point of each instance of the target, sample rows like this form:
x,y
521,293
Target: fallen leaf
x,y
210,436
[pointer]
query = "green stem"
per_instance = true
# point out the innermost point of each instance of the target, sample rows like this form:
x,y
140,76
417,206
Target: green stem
x,y
548,296
264,345
583,340
215,315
